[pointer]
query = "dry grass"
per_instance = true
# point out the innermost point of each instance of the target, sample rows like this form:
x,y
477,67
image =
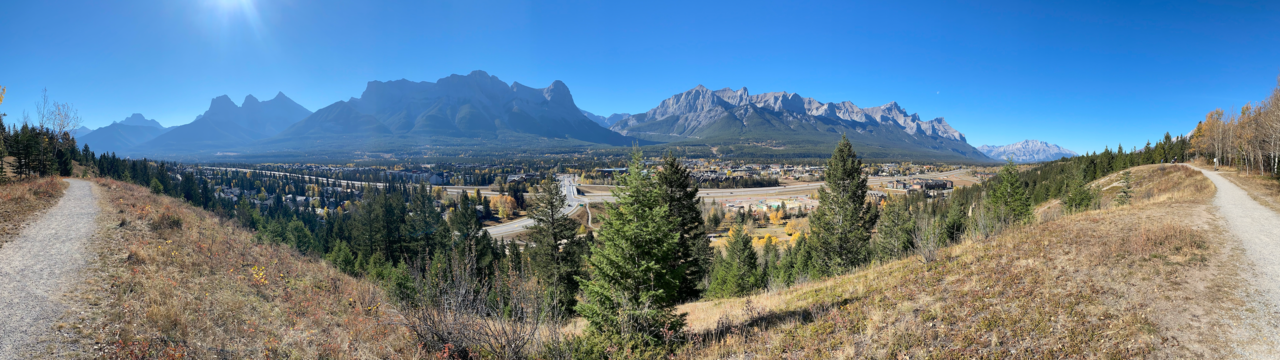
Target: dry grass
x,y
175,281
21,200
1145,280
1263,189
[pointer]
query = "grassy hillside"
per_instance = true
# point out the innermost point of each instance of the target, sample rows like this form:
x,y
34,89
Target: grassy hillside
x,y
1147,279
175,281
20,200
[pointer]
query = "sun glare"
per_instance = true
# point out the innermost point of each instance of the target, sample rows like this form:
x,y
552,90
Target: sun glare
x,y
233,13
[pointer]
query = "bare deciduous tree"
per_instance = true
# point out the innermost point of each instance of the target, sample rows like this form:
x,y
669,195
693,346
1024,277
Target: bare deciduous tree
x,y
60,117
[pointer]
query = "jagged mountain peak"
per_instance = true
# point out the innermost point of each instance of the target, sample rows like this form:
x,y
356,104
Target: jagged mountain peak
x,y
476,105
138,120
699,106
222,103
1027,151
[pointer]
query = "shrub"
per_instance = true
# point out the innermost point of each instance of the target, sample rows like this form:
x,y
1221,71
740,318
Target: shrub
x,y
166,222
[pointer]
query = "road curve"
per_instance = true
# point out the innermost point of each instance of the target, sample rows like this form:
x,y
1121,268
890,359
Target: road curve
x,y
38,264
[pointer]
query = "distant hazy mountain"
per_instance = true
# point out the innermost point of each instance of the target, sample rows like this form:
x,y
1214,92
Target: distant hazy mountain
x,y
1028,151
81,131
472,110
227,126
138,120
118,137
780,119
605,121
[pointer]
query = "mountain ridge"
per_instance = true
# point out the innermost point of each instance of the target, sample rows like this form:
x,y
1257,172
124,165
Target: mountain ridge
x,y
472,106
729,116
1027,151
226,126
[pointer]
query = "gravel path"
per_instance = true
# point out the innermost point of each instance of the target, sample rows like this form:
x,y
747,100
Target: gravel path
x,y
1257,227
36,266
1258,230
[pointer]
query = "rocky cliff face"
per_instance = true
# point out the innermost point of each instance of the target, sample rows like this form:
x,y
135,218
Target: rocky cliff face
x,y
476,105
692,112
1028,151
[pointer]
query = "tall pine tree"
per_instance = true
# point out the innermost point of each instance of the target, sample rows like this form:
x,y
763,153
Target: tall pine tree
x,y
556,253
737,272
680,195
1008,198
841,225
632,287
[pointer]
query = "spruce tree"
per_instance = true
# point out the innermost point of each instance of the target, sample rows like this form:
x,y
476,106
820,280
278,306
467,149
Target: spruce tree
x,y
680,195
1009,197
1126,188
737,271
896,229
555,253
841,225
632,286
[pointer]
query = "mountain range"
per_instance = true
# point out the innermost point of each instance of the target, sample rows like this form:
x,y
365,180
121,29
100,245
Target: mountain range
x,y
479,112
1027,151
605,121
781,119
121,135
224,126
474,110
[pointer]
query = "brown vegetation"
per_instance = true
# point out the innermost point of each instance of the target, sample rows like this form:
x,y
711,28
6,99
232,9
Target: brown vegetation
x,y
1146,279
21,200
175,281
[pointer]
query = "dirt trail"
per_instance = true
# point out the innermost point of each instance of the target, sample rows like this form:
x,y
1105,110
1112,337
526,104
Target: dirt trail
x,y
37,265
1258,229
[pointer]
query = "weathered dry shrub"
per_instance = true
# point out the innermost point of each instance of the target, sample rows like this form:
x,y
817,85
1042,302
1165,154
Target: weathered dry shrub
x,y
465,314
166,221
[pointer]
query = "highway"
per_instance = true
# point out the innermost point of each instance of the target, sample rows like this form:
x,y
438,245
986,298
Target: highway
x,y
569,185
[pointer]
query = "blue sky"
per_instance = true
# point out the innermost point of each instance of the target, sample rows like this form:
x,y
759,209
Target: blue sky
x,y
1080,74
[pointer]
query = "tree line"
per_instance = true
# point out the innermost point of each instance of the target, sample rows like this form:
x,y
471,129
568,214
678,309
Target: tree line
x,y
40,147
1249,140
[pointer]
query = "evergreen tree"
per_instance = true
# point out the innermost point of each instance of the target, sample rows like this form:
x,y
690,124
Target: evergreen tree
x,y
841,225
956,220
896,230
1078,196
64,162
156,188
1008,198
1126,188
421,222
736,272
680,195
555,253
770,256
632,285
